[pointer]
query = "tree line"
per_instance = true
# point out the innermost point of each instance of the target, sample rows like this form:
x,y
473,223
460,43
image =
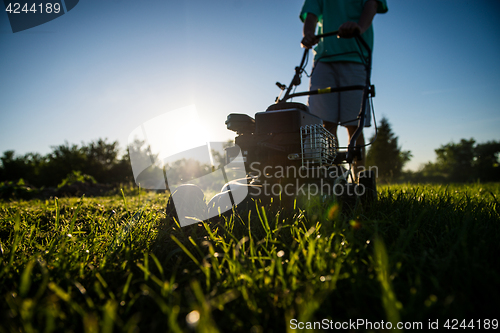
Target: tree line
x,y
465,161
99,159
100,162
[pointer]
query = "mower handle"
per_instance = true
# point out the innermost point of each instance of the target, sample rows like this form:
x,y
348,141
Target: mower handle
x,y
299,69
357,36
366,89
328,34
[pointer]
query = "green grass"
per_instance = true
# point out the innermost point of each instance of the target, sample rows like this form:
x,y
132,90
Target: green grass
x,y
107,264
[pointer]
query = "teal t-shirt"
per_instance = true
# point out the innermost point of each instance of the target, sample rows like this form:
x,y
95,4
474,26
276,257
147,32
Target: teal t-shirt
x,y
331,15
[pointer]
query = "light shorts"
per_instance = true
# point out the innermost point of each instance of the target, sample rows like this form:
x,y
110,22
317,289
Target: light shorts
x,y
340,108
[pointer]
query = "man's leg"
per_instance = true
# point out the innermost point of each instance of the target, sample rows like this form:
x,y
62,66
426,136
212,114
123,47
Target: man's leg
x,y
330,127
358,165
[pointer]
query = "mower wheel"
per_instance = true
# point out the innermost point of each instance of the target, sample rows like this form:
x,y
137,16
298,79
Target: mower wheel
x,y
220,205
187,198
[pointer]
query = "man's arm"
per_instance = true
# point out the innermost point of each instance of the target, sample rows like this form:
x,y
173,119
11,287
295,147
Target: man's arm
x,y
350,29
309,31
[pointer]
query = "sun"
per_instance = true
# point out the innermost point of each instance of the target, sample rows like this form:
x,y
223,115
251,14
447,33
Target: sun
x,y
173,132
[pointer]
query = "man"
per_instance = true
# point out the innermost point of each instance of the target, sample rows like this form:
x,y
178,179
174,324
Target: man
x,y
337,61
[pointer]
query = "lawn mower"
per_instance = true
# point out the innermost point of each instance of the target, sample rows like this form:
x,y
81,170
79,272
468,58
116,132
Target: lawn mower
x,y
287,153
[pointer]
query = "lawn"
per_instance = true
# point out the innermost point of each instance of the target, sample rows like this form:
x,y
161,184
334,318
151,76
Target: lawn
x,y
424,254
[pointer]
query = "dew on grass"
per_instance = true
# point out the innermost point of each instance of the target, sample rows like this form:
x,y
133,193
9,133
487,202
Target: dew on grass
x,y
431,300
192,318
257,329
333,212
80,288
355,224
280,253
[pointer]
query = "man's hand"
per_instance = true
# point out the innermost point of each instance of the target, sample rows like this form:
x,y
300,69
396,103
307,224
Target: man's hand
x,y
349,29
309,41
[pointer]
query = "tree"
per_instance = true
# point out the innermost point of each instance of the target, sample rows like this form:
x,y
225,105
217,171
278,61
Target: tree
x,y
62,161
464,162
454,160
13,167
385,154
146,169
101,157
28,167
97,159
485,163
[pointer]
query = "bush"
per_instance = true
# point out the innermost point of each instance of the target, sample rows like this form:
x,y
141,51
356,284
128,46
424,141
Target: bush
x,y
19,190
77,177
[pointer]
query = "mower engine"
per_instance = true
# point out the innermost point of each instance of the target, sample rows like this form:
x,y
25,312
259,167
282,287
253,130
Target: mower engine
x,y
283,144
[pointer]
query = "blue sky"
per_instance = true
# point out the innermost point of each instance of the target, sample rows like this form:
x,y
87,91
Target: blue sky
x,y
108,66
